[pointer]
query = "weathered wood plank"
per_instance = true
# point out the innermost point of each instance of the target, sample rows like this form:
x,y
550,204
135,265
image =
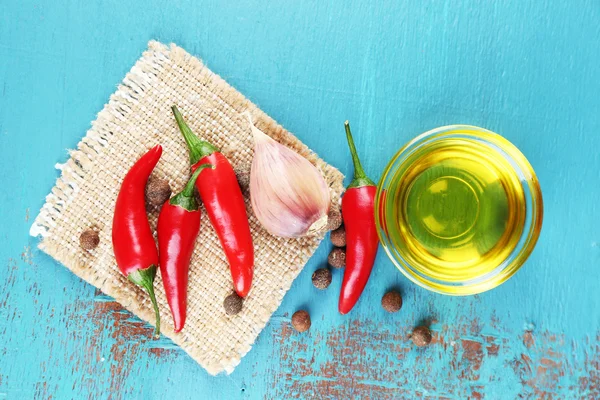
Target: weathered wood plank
x,y
527,70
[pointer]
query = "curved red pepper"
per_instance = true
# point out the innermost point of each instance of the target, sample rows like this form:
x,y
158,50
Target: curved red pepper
x,y
133,243
224,203
358,213
178,227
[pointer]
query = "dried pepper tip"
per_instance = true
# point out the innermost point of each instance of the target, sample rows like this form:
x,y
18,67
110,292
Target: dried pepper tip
x,y
338,237
89,239
158,191
391,301
301,321
337,258
421,336
233,304
334,219
321,278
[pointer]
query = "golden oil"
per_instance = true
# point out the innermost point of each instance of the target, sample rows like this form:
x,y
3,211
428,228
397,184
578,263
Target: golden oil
x,y
455,211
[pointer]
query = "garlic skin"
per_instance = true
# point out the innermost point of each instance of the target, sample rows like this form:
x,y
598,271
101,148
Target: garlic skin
x,y
289,195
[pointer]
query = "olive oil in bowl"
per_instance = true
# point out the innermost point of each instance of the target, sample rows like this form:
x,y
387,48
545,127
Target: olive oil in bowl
x,y
459,210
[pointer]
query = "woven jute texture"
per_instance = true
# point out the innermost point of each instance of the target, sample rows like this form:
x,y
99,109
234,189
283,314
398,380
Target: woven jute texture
x,y
137,117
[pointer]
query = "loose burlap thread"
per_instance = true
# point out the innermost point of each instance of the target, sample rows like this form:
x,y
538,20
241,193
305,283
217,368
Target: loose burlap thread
x,y
137,117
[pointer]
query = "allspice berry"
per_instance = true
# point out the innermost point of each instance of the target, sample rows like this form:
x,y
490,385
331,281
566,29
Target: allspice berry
x,y
421,336
391,301
157,191
89,239
338,237
233,304
321,278
242,172
337,258
197,196
301,321
334,219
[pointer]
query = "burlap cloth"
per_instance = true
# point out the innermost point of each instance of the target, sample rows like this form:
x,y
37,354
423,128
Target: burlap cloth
x,y
137,117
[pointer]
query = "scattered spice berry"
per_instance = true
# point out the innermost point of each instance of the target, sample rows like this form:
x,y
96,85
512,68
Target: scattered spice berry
x,y
338,237
242,173
301,321
197,196
89,239
391,301
158,191
421,336
321,278
334,219
233,304
337,258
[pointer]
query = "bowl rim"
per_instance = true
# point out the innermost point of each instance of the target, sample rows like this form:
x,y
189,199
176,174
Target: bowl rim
x,y
532,224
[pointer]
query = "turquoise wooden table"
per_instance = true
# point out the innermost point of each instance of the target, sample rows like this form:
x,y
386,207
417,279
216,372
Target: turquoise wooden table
x,y
527,70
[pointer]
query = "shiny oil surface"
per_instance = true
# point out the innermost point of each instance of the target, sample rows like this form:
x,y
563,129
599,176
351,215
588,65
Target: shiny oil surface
x,y
453,210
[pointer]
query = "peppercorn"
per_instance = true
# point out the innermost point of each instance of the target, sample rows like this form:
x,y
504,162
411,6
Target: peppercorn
x,y
421,336
242,172
338,237
321,278
197,196
89,239
391,301
334,219
301,321
157,191
233,304
337,258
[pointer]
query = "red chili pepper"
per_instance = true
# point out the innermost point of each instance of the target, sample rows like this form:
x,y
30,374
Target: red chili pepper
x,y
224,203
133,243
178,227
358,213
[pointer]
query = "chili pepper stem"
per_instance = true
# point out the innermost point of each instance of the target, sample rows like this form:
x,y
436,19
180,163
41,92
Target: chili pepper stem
x,y
185,199
198,148
145,279
360,178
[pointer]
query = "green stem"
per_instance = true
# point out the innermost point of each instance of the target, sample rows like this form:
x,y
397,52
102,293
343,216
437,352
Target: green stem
x,y
145,279
198,148
185,199
360,177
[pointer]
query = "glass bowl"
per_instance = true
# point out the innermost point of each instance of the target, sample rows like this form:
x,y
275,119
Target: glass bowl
x,y
397,233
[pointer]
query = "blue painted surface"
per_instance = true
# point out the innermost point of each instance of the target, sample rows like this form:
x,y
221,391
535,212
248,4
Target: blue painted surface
x,y
527,70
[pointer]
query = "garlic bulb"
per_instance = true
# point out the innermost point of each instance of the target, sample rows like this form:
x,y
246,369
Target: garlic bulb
x,y
288,193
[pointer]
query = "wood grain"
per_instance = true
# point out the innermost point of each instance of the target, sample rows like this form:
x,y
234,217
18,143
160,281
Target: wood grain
x,y
527,70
